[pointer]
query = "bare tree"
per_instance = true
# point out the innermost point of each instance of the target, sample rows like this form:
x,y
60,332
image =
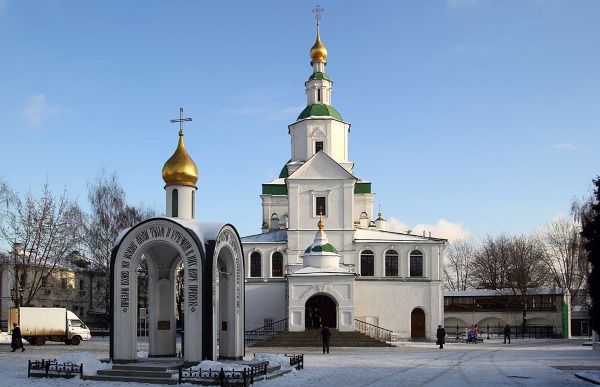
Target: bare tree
x,y
489,270
180,294
565,255
460,256
43,232
526,268
7,198
110,214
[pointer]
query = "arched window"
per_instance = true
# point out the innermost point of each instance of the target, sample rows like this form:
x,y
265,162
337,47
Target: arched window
x,y
255,266
391,263
277,265
175,203
416,264
367,263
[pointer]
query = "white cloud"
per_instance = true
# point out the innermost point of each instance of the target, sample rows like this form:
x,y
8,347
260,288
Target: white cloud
x,y
38,109
442,229
565,146
462,3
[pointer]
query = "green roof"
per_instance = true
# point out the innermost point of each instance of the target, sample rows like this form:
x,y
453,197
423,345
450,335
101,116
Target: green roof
x,y
318,75
274,189
326,248
281,189
362,188
320,110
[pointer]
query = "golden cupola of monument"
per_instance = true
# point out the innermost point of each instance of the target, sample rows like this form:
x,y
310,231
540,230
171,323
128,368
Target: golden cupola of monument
x,y
180,169
318,52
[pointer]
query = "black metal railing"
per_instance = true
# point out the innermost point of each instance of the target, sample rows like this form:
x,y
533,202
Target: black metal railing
x,y
373,330
296,361
51,368
245,376
530,331
266,332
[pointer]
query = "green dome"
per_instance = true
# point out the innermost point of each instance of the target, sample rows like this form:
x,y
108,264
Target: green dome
x,y
326,248
320,110
284,171
318,75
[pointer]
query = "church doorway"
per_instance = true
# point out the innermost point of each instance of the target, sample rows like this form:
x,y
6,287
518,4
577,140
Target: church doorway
x,y
417,324
320,310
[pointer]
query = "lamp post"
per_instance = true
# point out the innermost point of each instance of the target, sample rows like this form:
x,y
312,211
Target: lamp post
x,y
16,295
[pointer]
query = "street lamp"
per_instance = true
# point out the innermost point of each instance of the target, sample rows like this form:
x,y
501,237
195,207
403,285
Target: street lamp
x,y
16,295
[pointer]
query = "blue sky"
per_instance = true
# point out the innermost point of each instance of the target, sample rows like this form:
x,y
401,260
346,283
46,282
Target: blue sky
x,y
470,117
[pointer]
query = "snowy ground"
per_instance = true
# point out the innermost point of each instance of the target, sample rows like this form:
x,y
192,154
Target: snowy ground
x,y
522,363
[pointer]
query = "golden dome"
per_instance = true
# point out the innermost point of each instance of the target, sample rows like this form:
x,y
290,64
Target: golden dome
x,y
180,169
318,52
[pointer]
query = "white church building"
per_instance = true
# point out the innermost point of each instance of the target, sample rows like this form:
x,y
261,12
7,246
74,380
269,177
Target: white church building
x,y
322,247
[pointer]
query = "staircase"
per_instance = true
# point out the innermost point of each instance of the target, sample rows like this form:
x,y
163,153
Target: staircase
x,y
166,371
312,338
147,372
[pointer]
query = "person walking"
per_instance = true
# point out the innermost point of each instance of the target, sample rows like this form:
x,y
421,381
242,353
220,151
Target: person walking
x,y
17,339
326,334
506,333
441,336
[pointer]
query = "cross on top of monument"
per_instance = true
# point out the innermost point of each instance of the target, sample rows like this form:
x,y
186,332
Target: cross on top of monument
x,y
318,11
180,120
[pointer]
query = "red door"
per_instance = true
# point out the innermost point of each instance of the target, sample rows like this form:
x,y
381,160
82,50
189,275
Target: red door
x,y
417,324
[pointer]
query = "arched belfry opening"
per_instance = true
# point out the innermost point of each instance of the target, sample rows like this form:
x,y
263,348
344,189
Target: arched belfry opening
x,y
211,259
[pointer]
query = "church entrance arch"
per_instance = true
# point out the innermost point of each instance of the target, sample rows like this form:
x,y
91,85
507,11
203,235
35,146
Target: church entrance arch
x,y
417,324
320,310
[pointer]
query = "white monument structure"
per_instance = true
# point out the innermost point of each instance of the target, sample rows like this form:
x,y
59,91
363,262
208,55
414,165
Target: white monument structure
x,y
213,276
360,273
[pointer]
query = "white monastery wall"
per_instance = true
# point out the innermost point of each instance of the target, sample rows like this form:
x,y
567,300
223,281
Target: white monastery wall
x,y
264,300
391,304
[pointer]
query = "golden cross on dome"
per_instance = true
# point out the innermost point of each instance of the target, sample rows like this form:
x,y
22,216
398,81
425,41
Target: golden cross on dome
x,y
321,225
181,120
318,11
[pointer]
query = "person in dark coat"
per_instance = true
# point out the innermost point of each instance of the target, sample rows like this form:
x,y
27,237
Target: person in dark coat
x,y
441,336
17,339
326,335
506,333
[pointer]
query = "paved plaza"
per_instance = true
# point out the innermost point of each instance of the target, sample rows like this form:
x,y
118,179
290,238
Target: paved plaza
x,y
522,363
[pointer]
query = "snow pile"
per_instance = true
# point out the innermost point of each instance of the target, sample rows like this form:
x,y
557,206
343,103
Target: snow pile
x,y
91,365
142,354
216,366
283,361
4,337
